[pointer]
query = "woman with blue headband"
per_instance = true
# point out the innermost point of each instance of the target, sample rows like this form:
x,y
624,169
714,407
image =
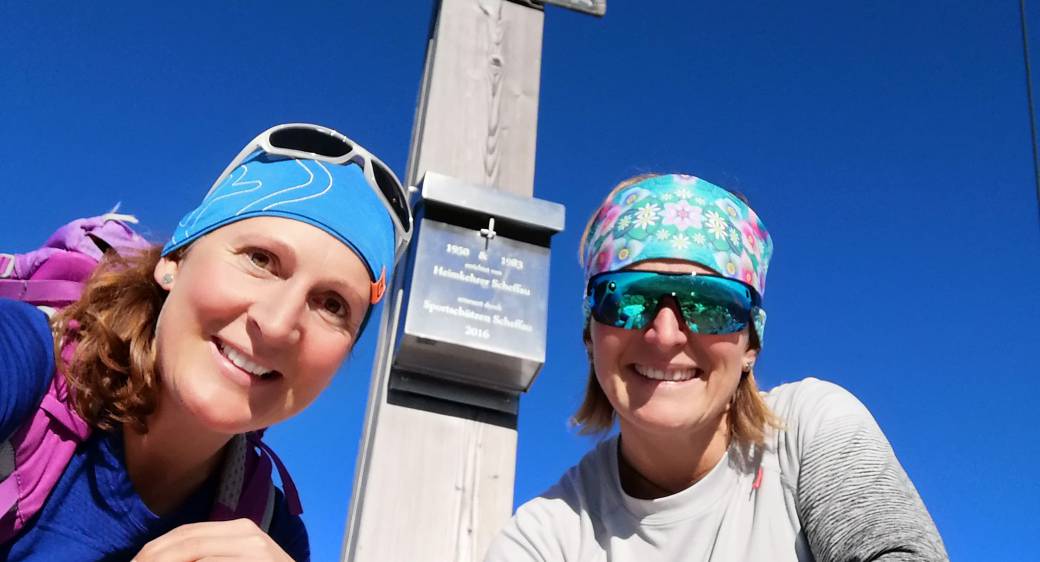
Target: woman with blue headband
x,y
705,466
177,358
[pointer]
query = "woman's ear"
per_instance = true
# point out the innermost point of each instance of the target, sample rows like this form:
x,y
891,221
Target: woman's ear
x,y
750,356
166,272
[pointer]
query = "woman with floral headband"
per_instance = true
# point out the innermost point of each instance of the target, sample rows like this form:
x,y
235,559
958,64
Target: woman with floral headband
x,y
705,467
175,358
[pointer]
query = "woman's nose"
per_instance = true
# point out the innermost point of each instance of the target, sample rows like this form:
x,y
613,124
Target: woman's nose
x,y
667,328
276,316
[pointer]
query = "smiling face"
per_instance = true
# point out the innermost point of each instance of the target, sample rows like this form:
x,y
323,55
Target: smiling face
x,y
665,379
260,315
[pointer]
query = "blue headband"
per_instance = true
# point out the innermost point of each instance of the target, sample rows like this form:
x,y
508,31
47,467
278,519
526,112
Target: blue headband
x,y
335,198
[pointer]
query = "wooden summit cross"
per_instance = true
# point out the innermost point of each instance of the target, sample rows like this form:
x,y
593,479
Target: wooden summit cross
x,y
433,483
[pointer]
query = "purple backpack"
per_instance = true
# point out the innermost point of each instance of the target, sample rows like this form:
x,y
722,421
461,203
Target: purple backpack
x,y
34,457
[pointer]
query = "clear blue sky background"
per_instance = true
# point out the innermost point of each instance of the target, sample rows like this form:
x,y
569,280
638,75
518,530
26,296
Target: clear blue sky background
x,y
885,144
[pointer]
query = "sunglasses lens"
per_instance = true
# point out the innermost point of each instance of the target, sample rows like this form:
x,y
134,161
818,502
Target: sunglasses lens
x,y
393,192
710,305
715,305
310,140
615,303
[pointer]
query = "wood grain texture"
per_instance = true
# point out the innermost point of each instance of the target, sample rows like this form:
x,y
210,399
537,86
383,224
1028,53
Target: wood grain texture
x,y
479,110
439,487
431,487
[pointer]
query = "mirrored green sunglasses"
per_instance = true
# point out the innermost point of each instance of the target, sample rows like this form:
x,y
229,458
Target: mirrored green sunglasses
x,y
710,304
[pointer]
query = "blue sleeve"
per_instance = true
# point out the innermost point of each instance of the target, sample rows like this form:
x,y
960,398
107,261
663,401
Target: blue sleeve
x,y
26,362
289,532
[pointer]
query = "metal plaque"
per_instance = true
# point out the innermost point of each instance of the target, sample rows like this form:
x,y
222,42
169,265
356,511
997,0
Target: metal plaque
x,y
476,309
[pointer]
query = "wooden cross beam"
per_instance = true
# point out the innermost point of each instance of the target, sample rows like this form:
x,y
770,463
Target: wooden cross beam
x,y
593,7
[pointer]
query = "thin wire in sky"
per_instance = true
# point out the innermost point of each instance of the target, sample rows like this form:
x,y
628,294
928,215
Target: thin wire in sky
x,y
1029,98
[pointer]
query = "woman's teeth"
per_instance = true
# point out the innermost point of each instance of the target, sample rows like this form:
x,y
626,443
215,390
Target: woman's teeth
x,y
666,375
243,362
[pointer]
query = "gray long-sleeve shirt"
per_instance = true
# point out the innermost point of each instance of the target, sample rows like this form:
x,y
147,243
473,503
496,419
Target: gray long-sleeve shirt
x,y
831,489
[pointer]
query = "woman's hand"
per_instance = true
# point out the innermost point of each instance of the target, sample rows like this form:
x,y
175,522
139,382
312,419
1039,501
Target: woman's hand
x,y
240,539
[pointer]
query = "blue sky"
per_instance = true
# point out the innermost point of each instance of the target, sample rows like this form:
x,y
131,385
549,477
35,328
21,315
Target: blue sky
x,y
884,144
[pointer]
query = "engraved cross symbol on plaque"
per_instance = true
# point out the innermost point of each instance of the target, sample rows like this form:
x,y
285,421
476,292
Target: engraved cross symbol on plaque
x,y
489,232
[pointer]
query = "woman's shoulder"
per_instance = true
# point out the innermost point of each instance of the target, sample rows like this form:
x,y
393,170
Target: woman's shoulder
x,y
836,459
25,333
17,314
26,362
817,417
812,401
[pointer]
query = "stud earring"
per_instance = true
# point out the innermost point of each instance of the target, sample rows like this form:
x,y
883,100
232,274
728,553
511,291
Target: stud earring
x,y
167,279
747,367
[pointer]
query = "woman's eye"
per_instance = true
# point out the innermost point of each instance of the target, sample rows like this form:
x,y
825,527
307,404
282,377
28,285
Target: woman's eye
x,y
261,259
335,306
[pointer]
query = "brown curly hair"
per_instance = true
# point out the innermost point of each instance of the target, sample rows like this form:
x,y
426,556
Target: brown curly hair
x,y
112,372
748,417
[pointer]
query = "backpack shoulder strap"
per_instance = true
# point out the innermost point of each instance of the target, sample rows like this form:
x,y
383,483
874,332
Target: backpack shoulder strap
x,y
34,458
246,489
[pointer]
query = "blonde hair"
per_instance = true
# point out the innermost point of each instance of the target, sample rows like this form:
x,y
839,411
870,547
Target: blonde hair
x,y
748,416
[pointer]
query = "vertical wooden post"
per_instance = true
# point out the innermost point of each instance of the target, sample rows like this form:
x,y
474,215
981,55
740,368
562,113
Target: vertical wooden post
x,y
429,486
478,108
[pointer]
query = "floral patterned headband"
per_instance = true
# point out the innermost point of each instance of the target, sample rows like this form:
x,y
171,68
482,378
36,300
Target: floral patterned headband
x,y
679,217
